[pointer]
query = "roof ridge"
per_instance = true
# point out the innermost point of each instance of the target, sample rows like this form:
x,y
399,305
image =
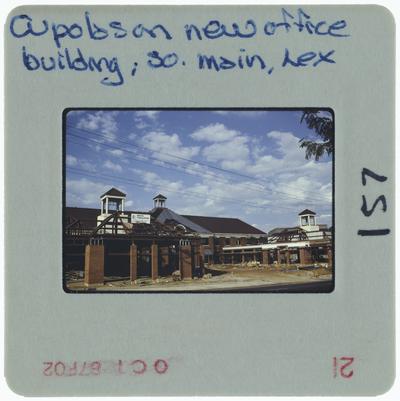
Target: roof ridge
x,y
212,217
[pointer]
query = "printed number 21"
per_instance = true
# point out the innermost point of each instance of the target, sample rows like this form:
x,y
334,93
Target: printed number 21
x,y
342,366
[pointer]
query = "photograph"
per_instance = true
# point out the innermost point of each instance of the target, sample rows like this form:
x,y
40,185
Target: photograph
x,y
199,200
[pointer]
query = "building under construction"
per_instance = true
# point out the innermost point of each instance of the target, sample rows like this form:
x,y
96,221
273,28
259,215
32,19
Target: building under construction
x,y
113,242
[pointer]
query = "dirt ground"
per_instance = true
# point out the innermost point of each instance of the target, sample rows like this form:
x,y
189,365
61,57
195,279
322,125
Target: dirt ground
x,y
217,277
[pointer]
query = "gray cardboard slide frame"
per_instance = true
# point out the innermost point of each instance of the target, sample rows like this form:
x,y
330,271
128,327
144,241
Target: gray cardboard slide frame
x,y
216,344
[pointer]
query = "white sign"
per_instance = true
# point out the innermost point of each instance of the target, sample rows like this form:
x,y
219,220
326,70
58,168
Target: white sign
x,y
140,218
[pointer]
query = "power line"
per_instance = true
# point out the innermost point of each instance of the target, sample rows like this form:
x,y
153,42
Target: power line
x,y
317,195
186,171
182,158
186,193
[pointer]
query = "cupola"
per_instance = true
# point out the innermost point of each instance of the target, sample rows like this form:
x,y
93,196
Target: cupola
x,y
159,201
307,220
111,201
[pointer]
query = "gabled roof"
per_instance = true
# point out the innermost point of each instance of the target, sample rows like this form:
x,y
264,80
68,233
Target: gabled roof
x,y
113,192
164,214
155,212
159,196
199,224
86,216
224,225
307,211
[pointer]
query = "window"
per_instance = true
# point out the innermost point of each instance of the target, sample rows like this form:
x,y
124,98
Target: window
x,y
304,220
114,205
312,221
110,206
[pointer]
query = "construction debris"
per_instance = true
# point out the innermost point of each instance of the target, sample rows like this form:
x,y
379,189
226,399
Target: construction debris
x,y
176,275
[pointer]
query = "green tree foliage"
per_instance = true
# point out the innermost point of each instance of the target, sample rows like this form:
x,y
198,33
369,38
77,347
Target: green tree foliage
x,y
322,124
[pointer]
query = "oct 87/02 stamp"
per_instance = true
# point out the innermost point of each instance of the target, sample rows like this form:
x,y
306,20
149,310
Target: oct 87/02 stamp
x,y
185,180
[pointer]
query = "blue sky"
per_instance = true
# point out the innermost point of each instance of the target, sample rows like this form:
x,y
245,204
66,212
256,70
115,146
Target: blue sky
x,y
244,164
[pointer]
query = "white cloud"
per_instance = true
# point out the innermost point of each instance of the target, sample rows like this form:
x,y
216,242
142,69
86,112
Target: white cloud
x,y
85,192
235,164
167,147
222,198
87,165
221,112
325,218
153,184
103,122
288,145
150,114
214,133
232,154
113,166
298,189
116,152
71,161
283,178
129,203
145,119
283,184
290,161
284,181
140,124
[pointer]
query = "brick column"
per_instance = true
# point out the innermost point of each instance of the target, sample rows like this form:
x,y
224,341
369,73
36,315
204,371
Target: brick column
x,y
197,253
198,257
211,245
133,262
265,260
154,261
202,263
305,256
164,256
329,252
185,261
287,256
94,265
278,256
